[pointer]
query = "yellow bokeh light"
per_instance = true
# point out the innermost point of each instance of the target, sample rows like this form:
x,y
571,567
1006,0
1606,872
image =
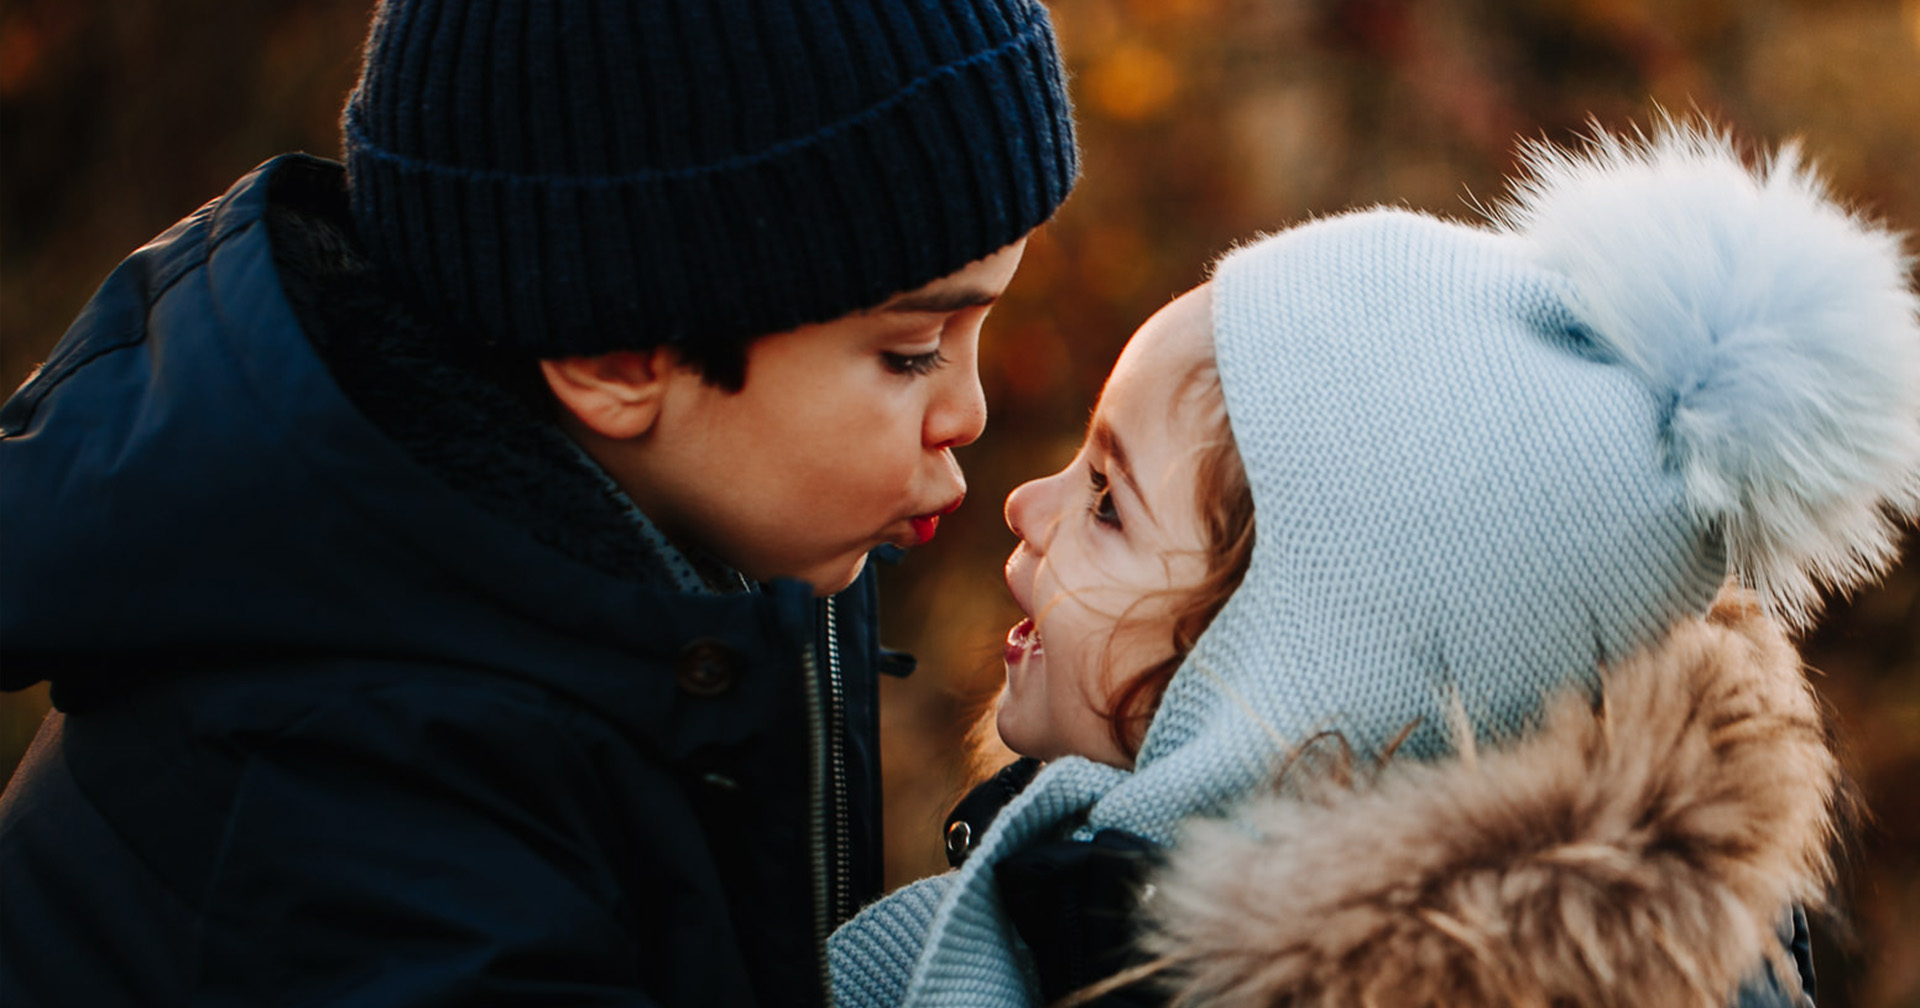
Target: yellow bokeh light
x,y
1171,11
1133,82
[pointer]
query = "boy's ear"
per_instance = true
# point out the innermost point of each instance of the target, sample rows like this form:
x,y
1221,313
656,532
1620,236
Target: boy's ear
x,y
615,395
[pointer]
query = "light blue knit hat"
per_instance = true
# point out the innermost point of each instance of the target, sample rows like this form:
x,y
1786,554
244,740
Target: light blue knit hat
x,y
1485,463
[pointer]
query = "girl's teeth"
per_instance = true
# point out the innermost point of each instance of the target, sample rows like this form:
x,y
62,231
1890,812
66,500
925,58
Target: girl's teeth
x,y
1023,642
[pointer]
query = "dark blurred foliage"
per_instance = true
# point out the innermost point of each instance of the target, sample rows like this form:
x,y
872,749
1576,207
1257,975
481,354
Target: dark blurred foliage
x,y
1202,122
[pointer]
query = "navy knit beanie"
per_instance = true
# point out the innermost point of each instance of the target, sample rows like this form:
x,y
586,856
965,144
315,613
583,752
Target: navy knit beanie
x,y
579,176
573,177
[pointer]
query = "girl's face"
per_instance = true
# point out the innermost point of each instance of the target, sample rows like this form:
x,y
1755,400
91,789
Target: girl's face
x,y
1110,544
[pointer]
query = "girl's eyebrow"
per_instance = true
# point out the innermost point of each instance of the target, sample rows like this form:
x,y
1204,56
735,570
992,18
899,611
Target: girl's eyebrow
x,y
1107,441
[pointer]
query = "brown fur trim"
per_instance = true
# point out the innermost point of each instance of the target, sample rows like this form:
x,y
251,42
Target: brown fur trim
x,y
1640,854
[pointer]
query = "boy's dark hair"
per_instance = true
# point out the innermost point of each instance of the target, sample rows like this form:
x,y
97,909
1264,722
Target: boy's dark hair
x,y
577,177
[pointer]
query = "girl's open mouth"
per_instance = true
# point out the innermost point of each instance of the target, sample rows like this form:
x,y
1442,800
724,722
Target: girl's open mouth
x,y
1023,642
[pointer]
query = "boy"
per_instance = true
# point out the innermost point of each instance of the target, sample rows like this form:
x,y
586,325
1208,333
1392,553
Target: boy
x,y
450,571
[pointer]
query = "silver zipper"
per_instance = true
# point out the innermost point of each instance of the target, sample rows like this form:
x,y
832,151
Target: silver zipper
x,y
837,720
817,811
826,784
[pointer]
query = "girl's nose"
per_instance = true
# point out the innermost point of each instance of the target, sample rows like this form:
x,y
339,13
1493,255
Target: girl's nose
x,y
1023,511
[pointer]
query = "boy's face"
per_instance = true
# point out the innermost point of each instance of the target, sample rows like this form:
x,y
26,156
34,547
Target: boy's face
x,y
1110,545
841,438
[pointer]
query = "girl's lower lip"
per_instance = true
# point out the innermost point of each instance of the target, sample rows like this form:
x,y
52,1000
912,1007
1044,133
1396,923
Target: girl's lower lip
x,y
1021,642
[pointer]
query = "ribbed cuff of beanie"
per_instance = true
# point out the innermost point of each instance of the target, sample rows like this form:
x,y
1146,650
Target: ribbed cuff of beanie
x,y
554,243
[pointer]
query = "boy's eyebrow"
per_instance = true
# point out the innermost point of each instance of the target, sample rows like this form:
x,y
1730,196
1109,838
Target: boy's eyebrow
x,y
1105,439
939,301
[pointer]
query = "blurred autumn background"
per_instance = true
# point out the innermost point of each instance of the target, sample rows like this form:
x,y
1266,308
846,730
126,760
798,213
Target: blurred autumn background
x,y
1201,121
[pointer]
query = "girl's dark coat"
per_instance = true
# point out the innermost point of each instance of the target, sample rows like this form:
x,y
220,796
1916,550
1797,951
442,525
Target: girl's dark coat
x,y
369,691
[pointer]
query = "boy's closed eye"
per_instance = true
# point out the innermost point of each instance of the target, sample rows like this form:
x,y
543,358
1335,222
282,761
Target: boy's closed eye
x,y
914,364
946,306
932,314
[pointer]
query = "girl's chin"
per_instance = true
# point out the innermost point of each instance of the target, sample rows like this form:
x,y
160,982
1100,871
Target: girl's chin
x,y
1006,724
1023,674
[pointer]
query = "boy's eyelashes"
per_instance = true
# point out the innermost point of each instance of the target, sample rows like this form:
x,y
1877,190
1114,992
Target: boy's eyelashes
x,y
1101,506
917,365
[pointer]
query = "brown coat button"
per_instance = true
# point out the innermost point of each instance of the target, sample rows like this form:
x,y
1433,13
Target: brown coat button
x,y
706,667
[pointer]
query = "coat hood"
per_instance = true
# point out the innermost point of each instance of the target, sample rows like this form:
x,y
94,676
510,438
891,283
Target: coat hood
x,y
1636,852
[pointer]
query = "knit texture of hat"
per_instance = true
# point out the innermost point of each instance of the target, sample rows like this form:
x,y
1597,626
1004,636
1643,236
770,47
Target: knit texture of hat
x,y
580,176
1487,462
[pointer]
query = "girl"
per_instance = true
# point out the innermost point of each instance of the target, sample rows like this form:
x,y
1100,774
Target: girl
x,y
1383,623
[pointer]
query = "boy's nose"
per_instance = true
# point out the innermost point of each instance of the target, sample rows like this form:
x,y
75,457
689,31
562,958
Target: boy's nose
x,y
959,414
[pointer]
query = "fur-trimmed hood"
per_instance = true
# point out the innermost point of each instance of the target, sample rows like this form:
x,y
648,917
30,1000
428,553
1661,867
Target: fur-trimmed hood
x,y
1639,852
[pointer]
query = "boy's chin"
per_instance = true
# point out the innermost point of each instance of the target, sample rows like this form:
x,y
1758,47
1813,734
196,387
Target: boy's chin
x,y
831,580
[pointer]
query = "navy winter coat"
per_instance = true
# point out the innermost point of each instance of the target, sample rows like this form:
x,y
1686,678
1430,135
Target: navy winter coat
x,y
368,691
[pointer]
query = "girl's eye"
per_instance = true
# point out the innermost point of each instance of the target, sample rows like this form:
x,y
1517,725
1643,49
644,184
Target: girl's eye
x,y
1101,506
918,365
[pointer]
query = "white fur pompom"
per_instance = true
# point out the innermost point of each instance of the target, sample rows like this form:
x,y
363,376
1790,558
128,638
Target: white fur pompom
x,y
1780,329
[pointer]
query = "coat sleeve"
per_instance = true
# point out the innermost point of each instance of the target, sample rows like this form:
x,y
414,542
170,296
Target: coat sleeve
x,y
406,845
1071,903
1075,906
474,848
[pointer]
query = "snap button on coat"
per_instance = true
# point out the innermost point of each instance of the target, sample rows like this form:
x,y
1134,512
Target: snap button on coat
x,y
706,667
959,838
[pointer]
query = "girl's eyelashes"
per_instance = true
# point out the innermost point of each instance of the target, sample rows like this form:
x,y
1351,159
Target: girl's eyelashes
x,y
917,365
1101,506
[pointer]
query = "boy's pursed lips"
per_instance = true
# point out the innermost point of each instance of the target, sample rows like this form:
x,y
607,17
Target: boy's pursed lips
x,y
926,525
